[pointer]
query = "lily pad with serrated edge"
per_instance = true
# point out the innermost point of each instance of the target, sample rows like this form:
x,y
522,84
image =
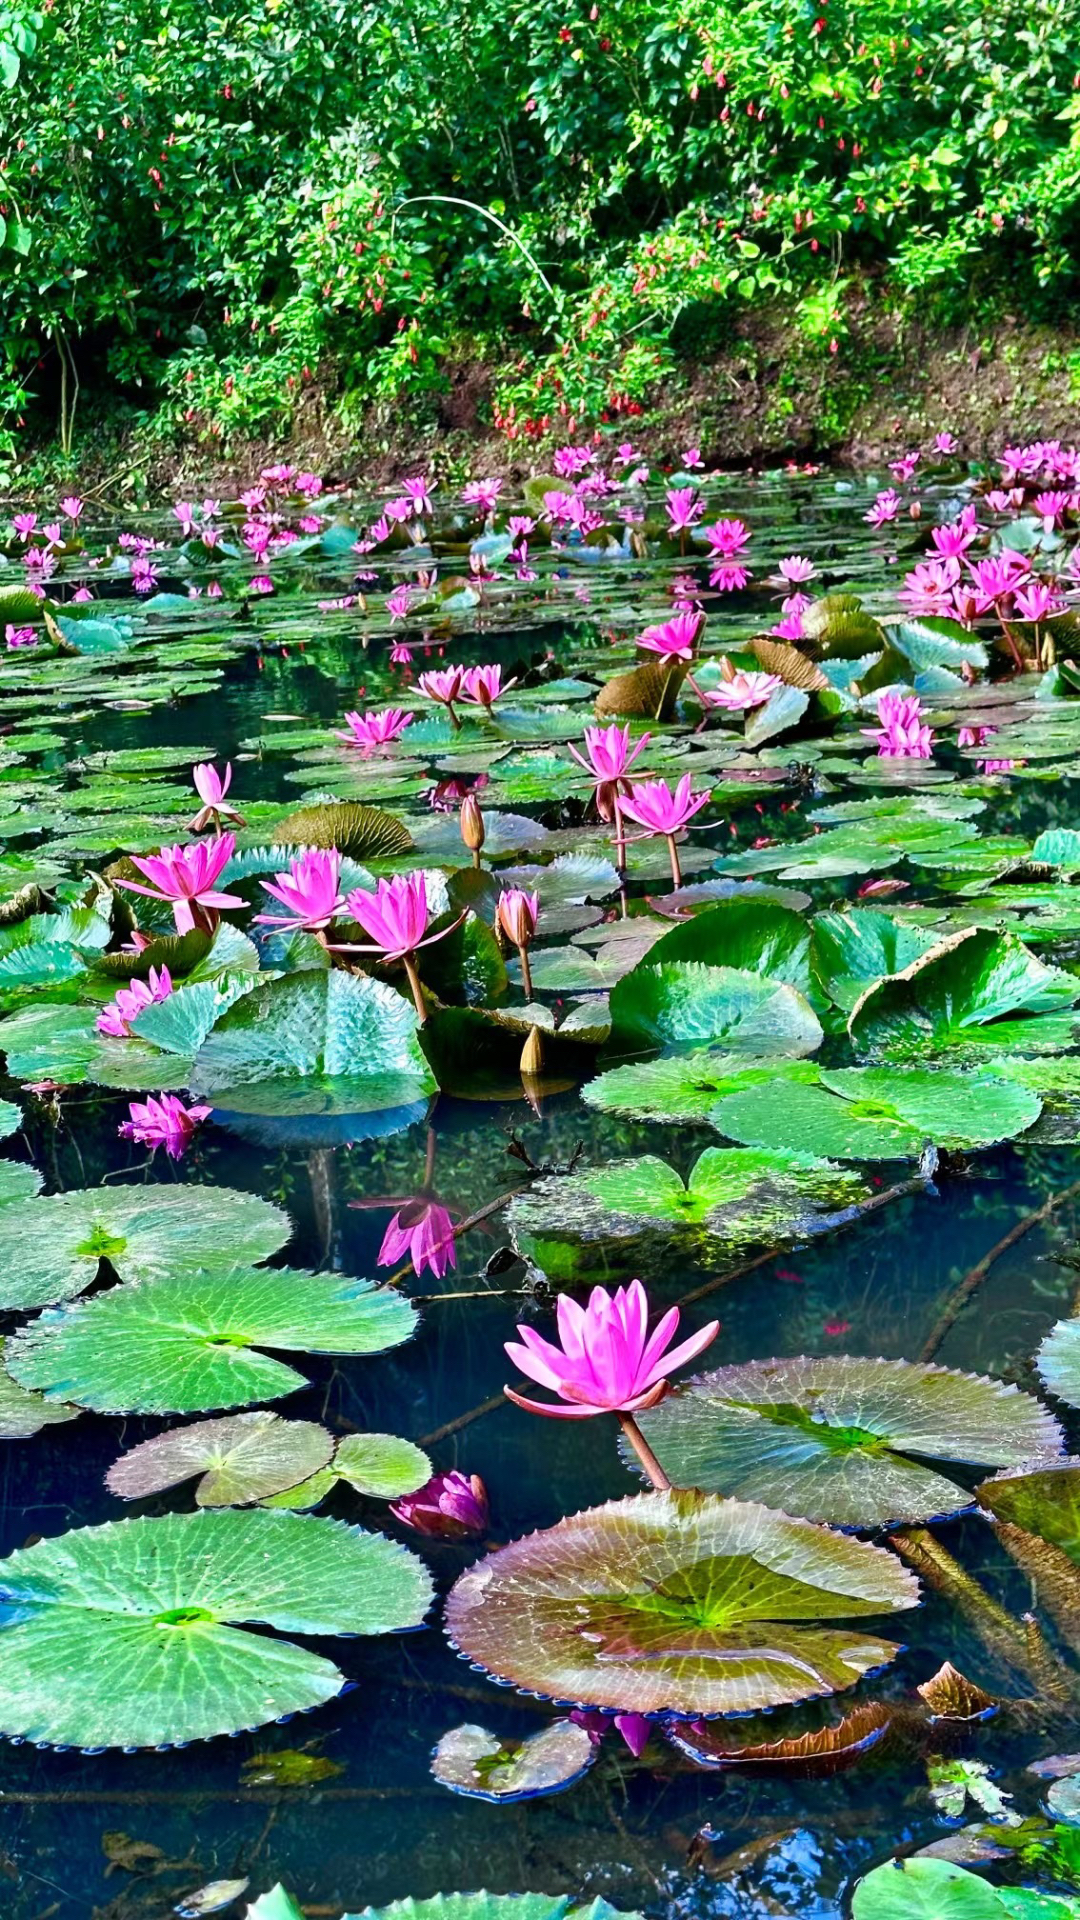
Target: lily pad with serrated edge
x,y
473,1762
950,1695
956,991
129,1634
1058,1361
685,1086
823,1750
829,1438
23,1414
680,1603
1043,1498
687,1004
849,951
50,1249
241,1459
487,1906
740,1196
188,1343
878,1113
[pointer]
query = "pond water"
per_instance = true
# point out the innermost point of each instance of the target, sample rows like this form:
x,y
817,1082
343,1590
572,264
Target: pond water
x,y
98,738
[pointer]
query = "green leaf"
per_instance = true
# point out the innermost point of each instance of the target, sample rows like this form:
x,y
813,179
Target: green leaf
x,y
473,1762
953,992
51,1249
486,1906
1058,847
186,1344
1044,1501
878,1113
685,1086
275,1905
828,1438
241,1459
1058,1361
924,1889
933,641
783,710
751,935
363,833
381,1465
23,1414
687,1004
851,950
677,1602
127,1635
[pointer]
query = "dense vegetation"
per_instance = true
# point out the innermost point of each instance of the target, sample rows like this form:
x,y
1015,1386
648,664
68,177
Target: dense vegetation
x,y
211,209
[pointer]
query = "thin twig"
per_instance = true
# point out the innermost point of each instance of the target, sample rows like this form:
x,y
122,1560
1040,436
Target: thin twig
x,y
975,1275
463,1420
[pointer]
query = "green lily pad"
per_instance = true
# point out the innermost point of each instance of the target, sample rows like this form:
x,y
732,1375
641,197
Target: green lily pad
x,y
954,992
1058,1361
677,1602
240,1459
51,1249
23,1414
188,1343
878,1113
379,1465
829,1438
1044,1499
685,1086
363,833
484,1906
471,1761
752,935
925,1889
128,1635
851,950
687,1004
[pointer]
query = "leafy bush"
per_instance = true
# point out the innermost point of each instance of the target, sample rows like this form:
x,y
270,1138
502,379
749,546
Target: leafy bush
x,y
221,206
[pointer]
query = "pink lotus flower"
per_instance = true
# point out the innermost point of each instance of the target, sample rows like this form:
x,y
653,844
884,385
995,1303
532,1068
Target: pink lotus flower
x,y
444,687
452,1506
974,736
673,638
953,540
164,1122
797,569
902,734
482,493
308,891
211,789
609,751
371,730
424,1231
684,507
1036,602
739,691
419,494
653,805
607,1361
399,602
726,538
185,877
516,915
130,1001
885,508
394,916
72,506
24,524
483,685
945,443
789,628
15,637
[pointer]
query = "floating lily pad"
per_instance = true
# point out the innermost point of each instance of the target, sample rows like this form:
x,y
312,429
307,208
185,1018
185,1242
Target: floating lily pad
x,y
829,1438
950,1695
471,1761
686,1004
1044,1500
751,935
51,1249
187,1344
925,1889
878,1113
852,950
128,1635
950,997
485,1906
685,1086
363,833
377,1464
677,1602
825,1750
23,1414
240,1459
1058,1361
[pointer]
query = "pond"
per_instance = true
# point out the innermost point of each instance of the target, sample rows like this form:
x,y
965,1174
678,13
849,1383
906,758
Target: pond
x,y
806,1062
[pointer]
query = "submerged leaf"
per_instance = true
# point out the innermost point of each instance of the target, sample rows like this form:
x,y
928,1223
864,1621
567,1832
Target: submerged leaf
x,y
950,1695
826,1750
680,1603
471,1761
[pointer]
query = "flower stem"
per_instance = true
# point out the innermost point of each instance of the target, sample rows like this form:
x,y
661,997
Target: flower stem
x,y
526,972
644,1452
676,870
454,721
409,963
620,835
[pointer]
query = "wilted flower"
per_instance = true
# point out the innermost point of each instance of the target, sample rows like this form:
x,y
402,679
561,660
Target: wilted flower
x,y
424,1231
164,1122
186,878
452,1506
116,1018
308,891
607,1361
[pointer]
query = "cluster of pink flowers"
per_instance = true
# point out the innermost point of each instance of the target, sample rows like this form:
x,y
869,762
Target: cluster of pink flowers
x,y
901,732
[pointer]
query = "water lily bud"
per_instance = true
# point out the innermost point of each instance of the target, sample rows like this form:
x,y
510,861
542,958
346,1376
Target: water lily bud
x,y
516,916
472,823
532,1053
452,1506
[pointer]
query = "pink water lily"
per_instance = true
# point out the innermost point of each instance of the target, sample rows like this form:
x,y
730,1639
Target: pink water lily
x,y
515,918
186,877
653,805
164,1122
395,918
211,789
377,729
673,638
609,751
452,1506
901,733
309,891
483,685
739,691
130,1001
444,687
607,1361
423,1230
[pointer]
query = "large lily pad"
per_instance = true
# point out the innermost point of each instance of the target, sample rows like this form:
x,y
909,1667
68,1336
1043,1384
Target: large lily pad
x,y
925,1889
753,936
952,995
188,1343
486,1906
51,1249
829,1438
685,1086
878,1113
471,1761
126,1635
677,1602
1058,1361
23,1414
852,950
241,1459
1044,1500
688,1004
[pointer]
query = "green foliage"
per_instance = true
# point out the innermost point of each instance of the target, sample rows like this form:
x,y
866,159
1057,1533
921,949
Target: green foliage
x,y
233,200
